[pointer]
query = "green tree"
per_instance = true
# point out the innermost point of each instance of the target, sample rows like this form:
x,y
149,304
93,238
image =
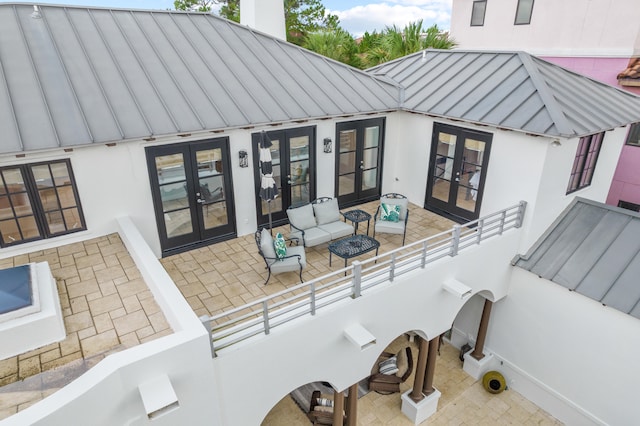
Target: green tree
x,y
194,5
336,44
394,43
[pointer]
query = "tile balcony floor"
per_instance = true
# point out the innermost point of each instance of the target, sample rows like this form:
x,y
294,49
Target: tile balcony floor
x,y
106,307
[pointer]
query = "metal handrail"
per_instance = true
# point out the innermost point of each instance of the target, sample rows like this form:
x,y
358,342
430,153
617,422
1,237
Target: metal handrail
x,y
262,315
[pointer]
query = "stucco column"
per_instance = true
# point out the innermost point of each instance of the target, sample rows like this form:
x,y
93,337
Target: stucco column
x,y
427,388
482,330
421,367
352,405
338,408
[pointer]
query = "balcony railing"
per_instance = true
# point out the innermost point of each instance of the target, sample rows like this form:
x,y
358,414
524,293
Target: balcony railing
x,y
261,316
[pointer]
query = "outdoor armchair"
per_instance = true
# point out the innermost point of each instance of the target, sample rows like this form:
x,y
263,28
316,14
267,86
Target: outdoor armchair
x,y
390,383
294,260
392,215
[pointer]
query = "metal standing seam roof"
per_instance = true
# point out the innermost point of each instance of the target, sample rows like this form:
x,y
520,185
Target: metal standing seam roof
x,y
592,249
76,75
512,90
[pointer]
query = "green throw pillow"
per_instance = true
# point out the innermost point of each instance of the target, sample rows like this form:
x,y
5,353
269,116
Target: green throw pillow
x,y
390,212
280,246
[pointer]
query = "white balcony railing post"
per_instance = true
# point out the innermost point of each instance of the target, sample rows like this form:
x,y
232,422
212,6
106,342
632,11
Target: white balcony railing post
x,y
479,231
312,296
206,321
425,248
265,316
521,208
503,217
357,278
455,239
392,267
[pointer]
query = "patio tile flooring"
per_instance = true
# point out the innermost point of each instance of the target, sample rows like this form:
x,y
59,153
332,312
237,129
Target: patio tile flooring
x,y
106,307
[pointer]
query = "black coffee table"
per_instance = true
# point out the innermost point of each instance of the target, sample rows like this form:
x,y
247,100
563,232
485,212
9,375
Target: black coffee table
x,y
352,246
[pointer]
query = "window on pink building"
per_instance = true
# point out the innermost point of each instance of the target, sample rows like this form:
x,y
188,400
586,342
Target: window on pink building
x,y
523,12
477,13
585,162
633,138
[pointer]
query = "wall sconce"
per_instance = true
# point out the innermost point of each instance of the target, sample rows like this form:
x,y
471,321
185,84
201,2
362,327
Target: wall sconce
x,y
244,158
556,143
458,289
327,145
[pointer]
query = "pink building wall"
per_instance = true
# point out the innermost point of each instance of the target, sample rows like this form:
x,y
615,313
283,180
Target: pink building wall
x,y
626,180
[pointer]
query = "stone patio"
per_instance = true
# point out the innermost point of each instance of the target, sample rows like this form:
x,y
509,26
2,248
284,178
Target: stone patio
x,y
106,306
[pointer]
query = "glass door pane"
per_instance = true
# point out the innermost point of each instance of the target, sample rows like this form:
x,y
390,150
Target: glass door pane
x,y
443,170
369,163
276,161
347,162
299,170
17,219
211,189
470,174
172,181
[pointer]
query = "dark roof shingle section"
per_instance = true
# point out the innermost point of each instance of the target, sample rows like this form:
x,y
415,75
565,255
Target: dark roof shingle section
x,y
79,75
511,90
592,249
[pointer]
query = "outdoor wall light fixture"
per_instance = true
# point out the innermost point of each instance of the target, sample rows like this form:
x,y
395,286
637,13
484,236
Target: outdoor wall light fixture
x,y
555,143
327,145
244,158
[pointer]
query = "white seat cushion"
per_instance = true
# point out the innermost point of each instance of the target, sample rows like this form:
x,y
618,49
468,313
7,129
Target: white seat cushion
x,y
266,244
337,229
312,236
302,217
290,263
327,212
390,227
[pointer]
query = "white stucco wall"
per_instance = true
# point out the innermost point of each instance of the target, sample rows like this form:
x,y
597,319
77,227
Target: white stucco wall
x,y
569,345
576,28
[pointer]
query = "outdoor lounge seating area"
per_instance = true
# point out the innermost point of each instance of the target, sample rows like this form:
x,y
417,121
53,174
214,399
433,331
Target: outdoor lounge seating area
x,y
318,222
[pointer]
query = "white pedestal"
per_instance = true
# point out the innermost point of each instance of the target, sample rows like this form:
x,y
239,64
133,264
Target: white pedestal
x,y
476,368
420,411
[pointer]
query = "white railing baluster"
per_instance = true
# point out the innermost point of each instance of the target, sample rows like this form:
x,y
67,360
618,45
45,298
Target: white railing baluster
x,y
455,239
392,267
265,316
479,231
357,278
424,255
503,216
520,218
312,296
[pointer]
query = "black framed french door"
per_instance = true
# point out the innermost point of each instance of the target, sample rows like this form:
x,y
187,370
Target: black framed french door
x,y
359,146
457,171
293,159
192,191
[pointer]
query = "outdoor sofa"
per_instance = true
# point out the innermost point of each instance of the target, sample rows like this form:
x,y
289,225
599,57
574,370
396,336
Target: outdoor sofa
x,y
317,222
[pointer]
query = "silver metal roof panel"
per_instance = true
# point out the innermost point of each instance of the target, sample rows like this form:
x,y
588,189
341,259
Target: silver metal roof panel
x,y
592,249
79,75
510,90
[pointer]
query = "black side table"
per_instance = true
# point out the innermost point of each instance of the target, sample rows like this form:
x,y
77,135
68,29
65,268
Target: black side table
x,y
357,216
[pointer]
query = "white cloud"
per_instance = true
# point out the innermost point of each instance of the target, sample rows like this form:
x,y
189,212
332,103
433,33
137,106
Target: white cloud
x,y
377,16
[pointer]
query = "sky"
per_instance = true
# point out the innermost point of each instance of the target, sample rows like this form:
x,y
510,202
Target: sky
x,y
356,16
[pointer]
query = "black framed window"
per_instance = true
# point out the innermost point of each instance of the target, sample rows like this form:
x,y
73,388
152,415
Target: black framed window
x,y
37,201
585,162
629,206
523,12
633,138
477,13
